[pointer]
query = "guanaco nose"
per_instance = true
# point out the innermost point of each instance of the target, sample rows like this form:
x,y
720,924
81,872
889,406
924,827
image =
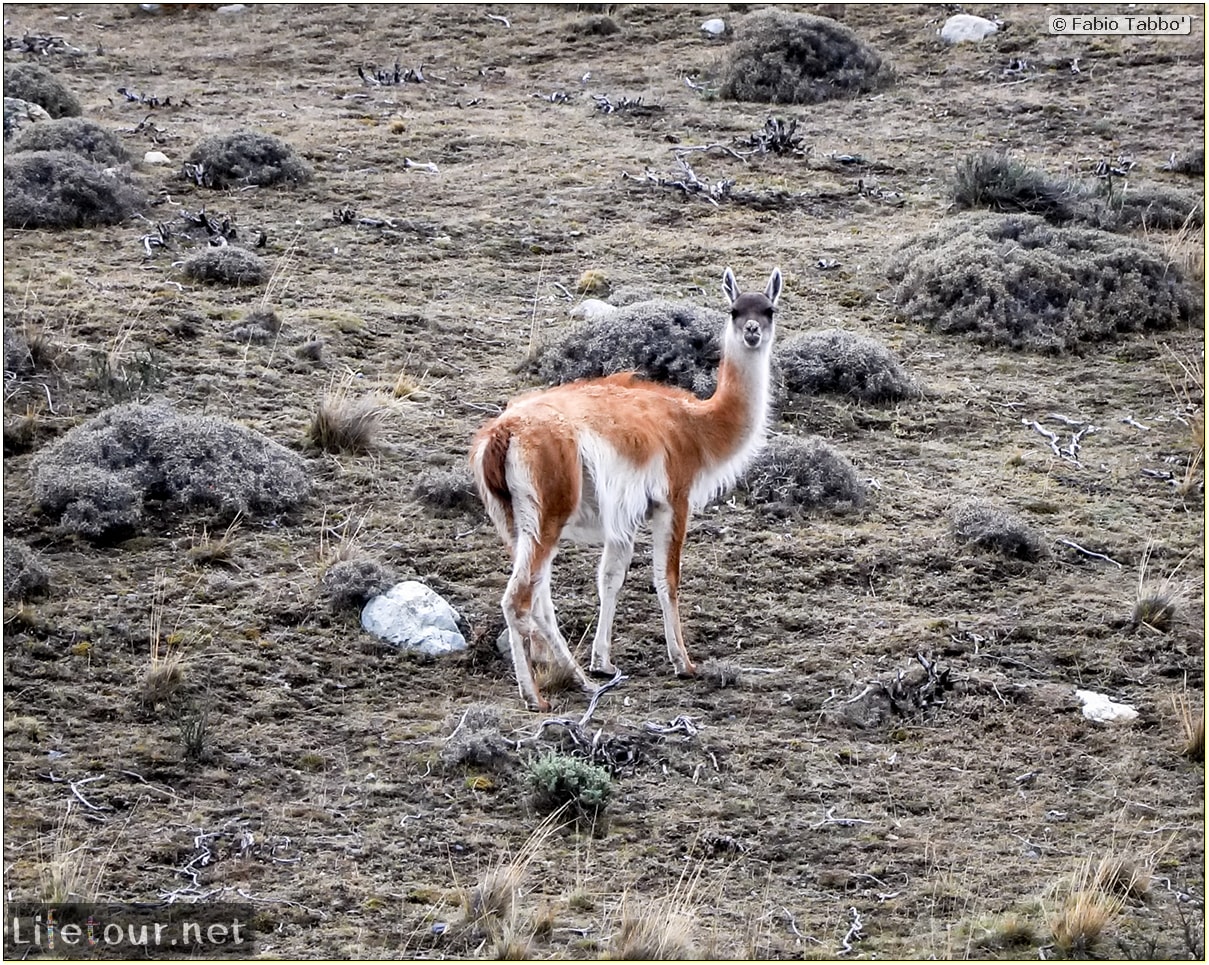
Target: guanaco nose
x,y
752,333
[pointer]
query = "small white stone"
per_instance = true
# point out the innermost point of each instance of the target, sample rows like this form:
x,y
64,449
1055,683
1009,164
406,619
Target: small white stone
x,y
1098,708
232,8
156,157
592,309
965,27
715,27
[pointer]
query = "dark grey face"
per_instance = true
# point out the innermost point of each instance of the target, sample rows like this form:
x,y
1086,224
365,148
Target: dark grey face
x,y
751,315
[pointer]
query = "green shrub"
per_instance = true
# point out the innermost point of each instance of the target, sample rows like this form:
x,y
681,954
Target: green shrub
x,y
75,135
1020,282
853,365
58,189
246,157
34,83
557,780
790,476
780,57
994,180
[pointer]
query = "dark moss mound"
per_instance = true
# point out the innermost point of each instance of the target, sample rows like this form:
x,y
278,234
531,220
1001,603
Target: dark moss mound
x,y
669,342
76,136
58,189
226,265
845,363
247,157
1020,282
97,478
792,476
793,58
1001,183
34,83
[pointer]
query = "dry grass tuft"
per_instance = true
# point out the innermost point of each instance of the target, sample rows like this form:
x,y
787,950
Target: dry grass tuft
x,y
1008,931
1124,877
24,575
351,583
718,674
658,930
1085,911
593,282
34,83
1156,604
75,135
779,57
344,422
477,740
58,189
1192,725
994,180
165,673
208,551
791,476
226,265
1020,282
978,522
247,157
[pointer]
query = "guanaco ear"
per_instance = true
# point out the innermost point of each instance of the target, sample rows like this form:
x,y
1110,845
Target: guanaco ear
x,y
729,286
773,291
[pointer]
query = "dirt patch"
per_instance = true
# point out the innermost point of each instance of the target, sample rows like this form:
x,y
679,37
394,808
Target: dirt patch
x,y
236,737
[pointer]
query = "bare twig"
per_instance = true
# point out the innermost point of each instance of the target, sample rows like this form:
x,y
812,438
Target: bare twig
x,y
1086,552
854,932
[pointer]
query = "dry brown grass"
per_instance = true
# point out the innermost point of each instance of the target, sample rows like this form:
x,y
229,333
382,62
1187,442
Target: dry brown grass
x,y
660,929
345,422
165,673
1192,725
1155,604
1089,901
206,550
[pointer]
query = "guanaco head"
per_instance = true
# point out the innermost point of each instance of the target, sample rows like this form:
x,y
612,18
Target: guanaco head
x,y
751,312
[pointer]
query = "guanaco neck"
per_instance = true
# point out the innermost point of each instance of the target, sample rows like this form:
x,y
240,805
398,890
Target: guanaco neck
x,y
737,412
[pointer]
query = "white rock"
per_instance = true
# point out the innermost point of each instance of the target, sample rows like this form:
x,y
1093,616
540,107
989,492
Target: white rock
x,y
715,27
156,157
232,8
963,27
412,617
1100,709
592,309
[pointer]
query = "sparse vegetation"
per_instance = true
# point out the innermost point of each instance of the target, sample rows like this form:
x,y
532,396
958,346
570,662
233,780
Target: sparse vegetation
x,y
74,135
259,325
24,574
244,158
1020,282
349,584
792,475
718,674
448,491
1192,725
226,265
994,180
58,189
346,422
978,522
98,477
670,342
34,83
779,57
845,363
477,740
1084,911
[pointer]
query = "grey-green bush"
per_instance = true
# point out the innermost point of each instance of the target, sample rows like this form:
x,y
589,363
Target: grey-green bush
x,y
247,157
792,476
976,521
670,342
448,491
75,135
97,478
58,189
558,780
832,360
477,740
34,83
779,57
1020,282
226,265
993,180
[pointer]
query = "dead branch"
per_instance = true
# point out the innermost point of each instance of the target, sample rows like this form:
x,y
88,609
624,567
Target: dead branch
x,y
1086,552
854,932
842,822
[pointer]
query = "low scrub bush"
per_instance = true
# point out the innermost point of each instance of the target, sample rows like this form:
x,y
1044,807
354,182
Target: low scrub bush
x,y
779,57
978,522
58,189
1020,282
75,135
34,83
98,477
670,342
842,362
791,476
247,157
